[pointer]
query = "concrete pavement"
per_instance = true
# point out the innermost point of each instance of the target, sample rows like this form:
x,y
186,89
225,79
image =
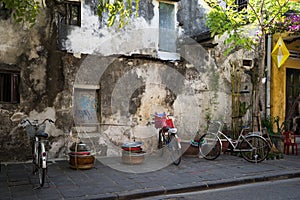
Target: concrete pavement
x,y
104,182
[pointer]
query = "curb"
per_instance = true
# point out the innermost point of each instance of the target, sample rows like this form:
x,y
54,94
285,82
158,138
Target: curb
x,y
193,187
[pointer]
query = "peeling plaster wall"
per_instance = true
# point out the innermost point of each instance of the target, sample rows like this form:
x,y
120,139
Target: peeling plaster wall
x,y
91,39
125,90
11,42
191,16
94,37
141,87
224,65
45,87
192,105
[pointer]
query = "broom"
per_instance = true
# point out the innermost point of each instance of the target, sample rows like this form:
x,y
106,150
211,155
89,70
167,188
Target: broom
x,y
273,147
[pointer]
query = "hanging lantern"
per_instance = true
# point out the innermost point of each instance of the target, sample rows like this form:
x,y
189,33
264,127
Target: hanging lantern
x,y
280,53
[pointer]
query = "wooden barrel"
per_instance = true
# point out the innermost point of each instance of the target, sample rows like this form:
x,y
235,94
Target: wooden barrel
x,y
133,158
81,161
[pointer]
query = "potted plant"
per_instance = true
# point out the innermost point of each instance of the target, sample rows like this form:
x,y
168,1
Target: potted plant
x,y
273,134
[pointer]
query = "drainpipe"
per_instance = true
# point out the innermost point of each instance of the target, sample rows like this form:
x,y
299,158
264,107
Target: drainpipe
x,y
268,82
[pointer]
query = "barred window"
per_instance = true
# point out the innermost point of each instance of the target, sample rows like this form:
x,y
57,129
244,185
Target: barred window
x,y
9,87
73,13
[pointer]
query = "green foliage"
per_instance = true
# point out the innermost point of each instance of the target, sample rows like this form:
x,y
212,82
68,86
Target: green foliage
x,y
228,20
262,14
270,122
238,25
119,10
23,10
243,108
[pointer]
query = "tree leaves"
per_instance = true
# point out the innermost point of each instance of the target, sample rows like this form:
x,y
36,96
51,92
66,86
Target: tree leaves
x,y
23,10
263,14
120,10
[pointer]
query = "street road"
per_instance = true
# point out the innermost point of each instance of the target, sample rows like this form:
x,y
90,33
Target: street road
x,y
288,189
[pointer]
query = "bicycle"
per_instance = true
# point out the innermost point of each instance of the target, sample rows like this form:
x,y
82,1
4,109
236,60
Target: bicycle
x,y
252,147
39,137
168,137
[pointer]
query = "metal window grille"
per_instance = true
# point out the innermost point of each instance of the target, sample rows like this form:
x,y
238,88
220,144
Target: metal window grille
x,y
73,13
9,87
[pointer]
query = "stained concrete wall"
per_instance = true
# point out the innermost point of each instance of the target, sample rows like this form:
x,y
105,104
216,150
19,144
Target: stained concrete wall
x,y
93,37
45,86
132,89
119,93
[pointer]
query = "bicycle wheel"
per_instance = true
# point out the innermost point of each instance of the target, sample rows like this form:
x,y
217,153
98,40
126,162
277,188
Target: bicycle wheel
x,y
41,171
160,141
254,148
210,146
161,144
34,157
175,150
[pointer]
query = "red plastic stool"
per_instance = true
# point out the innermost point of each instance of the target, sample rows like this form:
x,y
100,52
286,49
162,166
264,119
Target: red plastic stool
x,y
290,141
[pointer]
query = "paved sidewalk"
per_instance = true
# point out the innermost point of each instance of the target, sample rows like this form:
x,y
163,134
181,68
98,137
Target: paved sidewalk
x,y
103,182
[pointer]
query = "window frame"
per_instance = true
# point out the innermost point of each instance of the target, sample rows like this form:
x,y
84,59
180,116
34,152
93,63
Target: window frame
x,y
14,78
162,53
165,47
68,6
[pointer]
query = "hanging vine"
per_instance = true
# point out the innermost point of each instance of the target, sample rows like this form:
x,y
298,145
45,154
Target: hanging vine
x,y
117,10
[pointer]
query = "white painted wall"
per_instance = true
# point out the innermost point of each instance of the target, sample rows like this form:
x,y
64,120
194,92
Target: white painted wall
x,y
138,37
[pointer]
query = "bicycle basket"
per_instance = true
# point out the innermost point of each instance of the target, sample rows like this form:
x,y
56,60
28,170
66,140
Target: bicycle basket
x,y
160,120
169,123
215,127
31,131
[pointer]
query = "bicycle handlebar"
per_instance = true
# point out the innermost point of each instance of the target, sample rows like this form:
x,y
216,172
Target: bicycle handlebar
x,y
35,122
161,115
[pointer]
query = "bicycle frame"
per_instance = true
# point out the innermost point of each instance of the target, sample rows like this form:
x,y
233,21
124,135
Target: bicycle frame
x,y
37,132
252,146
38,142
178,141
166,133
166,137
43,153
235,144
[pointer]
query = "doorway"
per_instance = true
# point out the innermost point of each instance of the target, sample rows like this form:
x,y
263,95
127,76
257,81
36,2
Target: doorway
x,y
293,99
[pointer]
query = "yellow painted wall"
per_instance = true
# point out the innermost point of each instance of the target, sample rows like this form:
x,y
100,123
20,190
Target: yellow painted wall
x,y
278,79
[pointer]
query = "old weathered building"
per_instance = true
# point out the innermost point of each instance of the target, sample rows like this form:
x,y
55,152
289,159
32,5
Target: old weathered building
x,y
104,84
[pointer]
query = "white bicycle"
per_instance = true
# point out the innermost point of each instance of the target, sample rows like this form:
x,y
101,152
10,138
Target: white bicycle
x,y
36,131
252,147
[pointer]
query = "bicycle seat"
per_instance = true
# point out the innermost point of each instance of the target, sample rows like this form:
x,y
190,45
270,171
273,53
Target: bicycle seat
x,y
41,134
172,130
169,129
